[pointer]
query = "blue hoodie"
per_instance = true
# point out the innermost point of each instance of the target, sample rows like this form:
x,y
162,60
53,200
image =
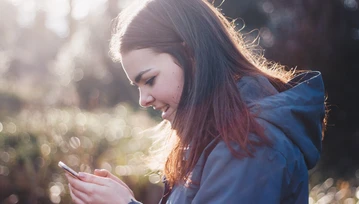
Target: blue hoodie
x,y
276,174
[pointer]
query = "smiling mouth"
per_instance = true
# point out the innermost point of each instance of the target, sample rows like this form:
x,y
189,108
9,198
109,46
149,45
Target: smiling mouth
x,y
164,109
165,114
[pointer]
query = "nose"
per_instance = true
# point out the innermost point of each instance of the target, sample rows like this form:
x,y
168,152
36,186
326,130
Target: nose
x,y
146,99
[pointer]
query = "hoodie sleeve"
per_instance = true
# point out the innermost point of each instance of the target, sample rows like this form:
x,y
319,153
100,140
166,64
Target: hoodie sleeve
x,y
226,179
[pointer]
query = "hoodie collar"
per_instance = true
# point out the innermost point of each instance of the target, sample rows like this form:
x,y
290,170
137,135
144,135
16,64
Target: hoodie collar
x,y
298,111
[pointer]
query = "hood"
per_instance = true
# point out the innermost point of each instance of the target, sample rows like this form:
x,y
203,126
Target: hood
x,y
298,111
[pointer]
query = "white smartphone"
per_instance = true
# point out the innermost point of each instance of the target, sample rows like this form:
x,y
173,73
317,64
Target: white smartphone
x,y
69,170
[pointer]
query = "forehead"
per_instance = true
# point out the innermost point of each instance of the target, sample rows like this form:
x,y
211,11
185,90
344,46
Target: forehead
x,y
136,55
137,60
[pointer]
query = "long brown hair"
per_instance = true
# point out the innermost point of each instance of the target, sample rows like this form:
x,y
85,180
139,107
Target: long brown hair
x,y
213,57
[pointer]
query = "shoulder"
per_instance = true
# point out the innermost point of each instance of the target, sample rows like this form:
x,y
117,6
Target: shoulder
x,y
236,180
253,88
265,156
281,160
220,177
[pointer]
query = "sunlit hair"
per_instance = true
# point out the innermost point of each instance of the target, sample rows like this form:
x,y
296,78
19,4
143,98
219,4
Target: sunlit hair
x,y
213,57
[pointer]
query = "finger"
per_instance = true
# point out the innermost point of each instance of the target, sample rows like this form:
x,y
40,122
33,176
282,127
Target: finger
x,y
71,179
68,174
75,199
82,191
91,178
83,186
100,172
79,196
106,173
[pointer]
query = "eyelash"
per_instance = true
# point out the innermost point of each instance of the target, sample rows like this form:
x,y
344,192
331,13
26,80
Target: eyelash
x,y
150,81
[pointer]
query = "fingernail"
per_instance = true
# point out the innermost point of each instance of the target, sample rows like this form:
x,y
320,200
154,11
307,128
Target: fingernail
x,y
82,175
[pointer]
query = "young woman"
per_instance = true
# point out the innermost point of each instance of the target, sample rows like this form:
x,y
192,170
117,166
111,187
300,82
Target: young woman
x,y
246,130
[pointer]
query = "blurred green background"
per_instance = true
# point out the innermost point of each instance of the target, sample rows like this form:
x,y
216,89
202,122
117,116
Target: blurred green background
x,y
62,97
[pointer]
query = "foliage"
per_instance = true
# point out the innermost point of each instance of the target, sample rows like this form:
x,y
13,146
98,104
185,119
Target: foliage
x,y
33,141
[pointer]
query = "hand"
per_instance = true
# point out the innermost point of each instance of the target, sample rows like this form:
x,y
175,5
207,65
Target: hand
x,y
99,189
105,173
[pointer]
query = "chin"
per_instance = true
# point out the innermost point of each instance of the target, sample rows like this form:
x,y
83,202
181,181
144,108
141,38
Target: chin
x,y
169,117
170,120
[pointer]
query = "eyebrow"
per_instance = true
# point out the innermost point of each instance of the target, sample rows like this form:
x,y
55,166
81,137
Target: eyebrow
x,y
139,75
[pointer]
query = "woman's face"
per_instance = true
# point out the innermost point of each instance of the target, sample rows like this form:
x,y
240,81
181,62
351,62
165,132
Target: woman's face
x,y
158,78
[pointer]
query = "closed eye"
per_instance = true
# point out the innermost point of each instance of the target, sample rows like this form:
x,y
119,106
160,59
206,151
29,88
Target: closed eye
x,y
151,81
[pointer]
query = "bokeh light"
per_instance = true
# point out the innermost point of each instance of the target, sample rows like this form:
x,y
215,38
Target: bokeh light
x,y
154,178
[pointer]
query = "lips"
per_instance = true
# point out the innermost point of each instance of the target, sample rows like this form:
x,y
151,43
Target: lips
x,y
165,108
164,112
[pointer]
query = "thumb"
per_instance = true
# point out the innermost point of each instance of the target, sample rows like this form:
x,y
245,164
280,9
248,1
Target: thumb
x,y
91,178
106,173
101,172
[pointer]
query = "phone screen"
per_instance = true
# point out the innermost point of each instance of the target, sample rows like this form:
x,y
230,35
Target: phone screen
x,y
69,170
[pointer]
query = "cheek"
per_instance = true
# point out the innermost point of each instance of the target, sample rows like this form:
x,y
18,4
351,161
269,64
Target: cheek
x,y
169,93
178,91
